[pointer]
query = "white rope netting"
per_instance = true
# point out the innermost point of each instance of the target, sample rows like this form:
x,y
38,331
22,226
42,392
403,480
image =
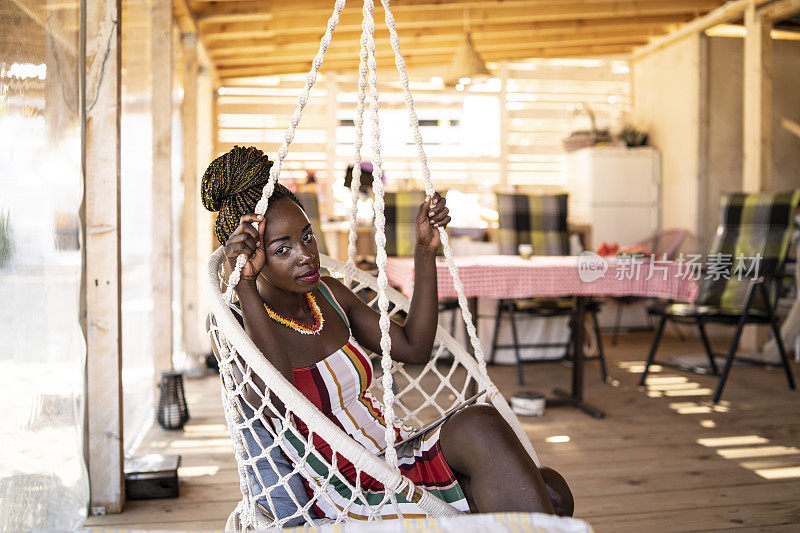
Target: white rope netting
x,y
278,433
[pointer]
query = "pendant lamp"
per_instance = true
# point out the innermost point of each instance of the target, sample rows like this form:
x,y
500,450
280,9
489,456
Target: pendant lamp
x,y
466,63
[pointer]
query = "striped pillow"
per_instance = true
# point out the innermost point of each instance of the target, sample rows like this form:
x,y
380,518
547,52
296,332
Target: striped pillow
x,y
401,215
750,224
540,221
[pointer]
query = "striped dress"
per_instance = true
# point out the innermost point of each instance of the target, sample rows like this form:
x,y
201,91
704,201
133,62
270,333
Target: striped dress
x,y
338,385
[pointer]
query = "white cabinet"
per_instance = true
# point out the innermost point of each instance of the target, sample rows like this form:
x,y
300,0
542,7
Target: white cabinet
x,y
617,191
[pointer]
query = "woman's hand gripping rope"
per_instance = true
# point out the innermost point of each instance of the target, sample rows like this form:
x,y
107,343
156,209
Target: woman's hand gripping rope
x,y
433,214
248,241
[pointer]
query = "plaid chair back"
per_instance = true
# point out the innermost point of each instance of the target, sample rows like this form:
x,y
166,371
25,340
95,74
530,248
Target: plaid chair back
x,y
401,214
540,221
751,224
311,207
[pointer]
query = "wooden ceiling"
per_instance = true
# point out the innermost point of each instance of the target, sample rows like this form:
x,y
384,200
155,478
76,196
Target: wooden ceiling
x,y
247,38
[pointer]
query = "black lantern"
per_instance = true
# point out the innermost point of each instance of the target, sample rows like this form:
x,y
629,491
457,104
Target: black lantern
x,y
172,412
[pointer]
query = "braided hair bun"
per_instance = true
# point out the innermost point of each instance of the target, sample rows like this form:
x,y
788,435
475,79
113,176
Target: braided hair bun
x,y
233,184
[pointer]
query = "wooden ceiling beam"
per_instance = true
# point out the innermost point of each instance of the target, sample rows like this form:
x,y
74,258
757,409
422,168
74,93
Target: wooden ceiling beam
x,y
779,10
446,14
186,18
234,46
729,11
296,54
386,65
210,12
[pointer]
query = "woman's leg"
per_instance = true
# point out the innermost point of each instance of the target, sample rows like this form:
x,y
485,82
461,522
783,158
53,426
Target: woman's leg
x,y
479,445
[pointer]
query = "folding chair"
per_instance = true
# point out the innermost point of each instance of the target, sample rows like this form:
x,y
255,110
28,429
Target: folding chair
x,y
401,214
755,227
665,244
540,221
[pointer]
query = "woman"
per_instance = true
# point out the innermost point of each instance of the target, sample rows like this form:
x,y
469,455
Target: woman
x,y
316,332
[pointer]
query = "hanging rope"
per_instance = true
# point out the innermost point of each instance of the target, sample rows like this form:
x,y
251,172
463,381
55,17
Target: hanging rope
x,y
429,190
380,235
261,206
355,183
386,472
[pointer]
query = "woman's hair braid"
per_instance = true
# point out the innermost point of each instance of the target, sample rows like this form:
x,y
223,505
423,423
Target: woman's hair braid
x,y
233,183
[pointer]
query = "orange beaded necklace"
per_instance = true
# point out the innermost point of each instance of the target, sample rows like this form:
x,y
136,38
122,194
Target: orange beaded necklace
x,y
297,326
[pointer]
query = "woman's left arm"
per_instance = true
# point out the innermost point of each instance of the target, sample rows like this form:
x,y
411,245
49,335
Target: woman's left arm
x,y
412,341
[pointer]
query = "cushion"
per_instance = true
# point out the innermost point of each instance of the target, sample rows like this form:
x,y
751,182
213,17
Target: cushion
x,y
540,221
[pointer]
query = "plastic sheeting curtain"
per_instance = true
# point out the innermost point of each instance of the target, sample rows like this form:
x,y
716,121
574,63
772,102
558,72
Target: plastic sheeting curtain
x,y
43,481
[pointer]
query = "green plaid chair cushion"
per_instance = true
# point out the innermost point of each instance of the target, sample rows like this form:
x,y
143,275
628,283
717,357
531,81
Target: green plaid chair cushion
x,y
311,207
751,225
401,214
540,221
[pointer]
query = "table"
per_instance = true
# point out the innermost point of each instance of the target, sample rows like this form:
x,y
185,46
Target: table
x,y
581,277
336,234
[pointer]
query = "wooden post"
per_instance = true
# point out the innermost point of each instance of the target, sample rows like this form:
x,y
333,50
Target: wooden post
x,y
757,102
189,268
331,123
501,100
100,105
205,240
162,187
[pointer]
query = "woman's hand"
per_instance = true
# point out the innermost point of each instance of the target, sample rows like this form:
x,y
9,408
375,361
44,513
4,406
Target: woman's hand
x,y
250,242
432,215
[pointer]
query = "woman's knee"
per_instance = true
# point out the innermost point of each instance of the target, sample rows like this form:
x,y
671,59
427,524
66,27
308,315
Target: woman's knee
x,y
468,435
477,418
475,426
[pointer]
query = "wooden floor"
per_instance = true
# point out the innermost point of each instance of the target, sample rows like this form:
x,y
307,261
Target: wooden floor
x,y
664,459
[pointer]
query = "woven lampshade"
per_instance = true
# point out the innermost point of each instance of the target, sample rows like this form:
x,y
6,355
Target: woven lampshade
x,y
466,63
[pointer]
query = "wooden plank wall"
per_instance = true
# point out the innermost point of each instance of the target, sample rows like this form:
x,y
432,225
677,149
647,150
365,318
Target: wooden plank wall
x,y
539,111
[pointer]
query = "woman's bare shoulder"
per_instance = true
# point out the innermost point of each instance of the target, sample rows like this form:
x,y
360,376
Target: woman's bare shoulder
x,y
342,293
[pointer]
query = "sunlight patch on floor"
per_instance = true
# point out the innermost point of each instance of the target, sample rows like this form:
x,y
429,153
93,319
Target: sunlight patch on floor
x,y
664,380
694,408
769,462
201,446
205,430
688,392
779,473
197,471
673,386
558,438
637,367
739,440
780,461
763,451
752,452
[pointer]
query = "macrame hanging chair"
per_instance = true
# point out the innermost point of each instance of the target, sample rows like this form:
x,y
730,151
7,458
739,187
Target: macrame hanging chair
x,y
265,432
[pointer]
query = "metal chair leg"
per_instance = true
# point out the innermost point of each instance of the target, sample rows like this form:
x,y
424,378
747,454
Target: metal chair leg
x,y
453,321
734,344
729,361
600,353
653,348
707,345
617,322
778,340
520,376
498,318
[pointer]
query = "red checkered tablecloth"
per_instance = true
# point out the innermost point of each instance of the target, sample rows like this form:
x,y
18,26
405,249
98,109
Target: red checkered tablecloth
x,y
510,276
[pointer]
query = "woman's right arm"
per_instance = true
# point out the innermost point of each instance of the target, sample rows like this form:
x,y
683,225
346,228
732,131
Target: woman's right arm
x,y
259,327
